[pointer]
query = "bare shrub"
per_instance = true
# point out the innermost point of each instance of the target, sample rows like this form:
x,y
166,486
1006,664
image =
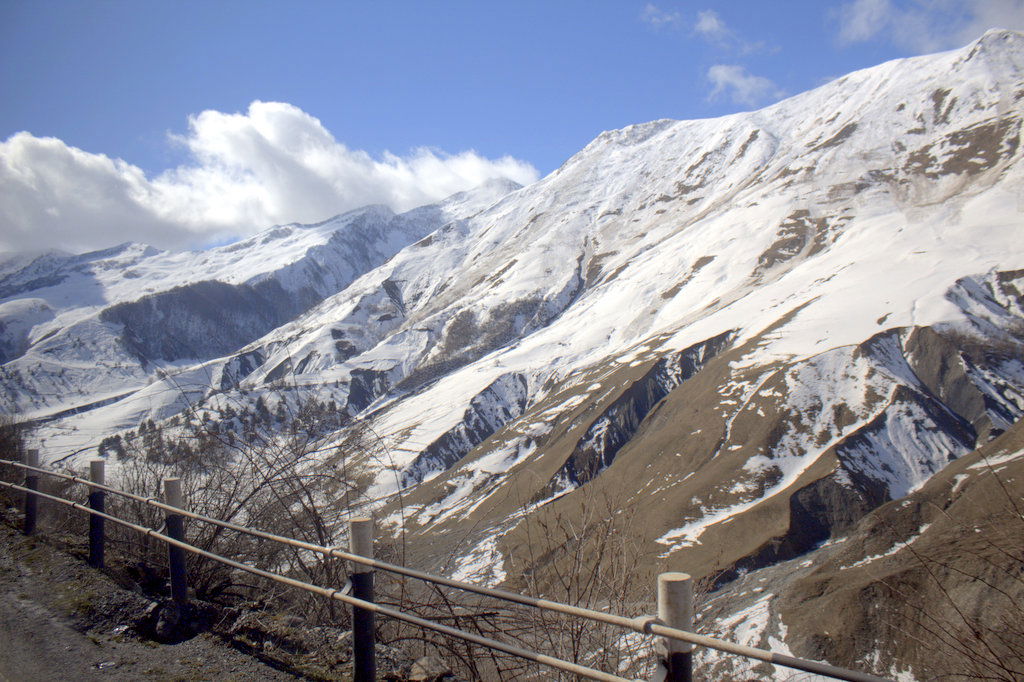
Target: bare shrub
x,y
587,557
12,447
280,474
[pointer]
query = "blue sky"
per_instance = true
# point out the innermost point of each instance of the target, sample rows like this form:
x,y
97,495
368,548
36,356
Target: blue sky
x,y
146,110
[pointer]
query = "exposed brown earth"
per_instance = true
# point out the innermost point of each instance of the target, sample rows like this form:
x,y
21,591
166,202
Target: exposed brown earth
x,y
63,620
931,585
950,563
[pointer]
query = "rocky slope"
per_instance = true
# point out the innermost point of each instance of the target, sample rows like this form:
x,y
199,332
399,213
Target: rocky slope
x,y
925,587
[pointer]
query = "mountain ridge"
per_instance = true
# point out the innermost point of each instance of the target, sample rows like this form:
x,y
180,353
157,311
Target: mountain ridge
x,y
765,326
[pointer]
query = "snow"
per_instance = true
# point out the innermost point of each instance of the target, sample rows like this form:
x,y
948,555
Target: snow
x,y
66,293
748,625
473,484
997,460
850,379
892,550
756,625
905,453
482,565
414,423
650,240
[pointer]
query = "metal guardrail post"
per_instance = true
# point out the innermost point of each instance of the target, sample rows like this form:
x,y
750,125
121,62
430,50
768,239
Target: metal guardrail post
x,y
363,635
675,609
176,529
31,501
96,501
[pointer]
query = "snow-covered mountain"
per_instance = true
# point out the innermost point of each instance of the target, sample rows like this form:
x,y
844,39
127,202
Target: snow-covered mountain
x,y
77,330
758,328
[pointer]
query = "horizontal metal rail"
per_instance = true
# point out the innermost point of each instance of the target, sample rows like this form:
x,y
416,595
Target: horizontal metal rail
x,y
340,594
642,625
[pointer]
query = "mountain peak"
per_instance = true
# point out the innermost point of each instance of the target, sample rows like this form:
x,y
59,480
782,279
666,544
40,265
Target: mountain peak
x,y
133,250
499,183
997,45
634,134
1000,35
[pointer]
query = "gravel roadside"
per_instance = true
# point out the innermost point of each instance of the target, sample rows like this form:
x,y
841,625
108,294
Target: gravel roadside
x,y
49,629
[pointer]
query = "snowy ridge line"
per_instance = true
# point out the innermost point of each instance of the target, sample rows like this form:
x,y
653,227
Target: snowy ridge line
x,y
643,625
835,220
493,265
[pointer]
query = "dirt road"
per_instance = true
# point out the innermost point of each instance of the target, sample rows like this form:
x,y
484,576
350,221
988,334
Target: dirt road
x,y
47,632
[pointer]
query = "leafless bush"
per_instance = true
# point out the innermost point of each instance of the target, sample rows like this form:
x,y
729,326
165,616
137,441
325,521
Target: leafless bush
x,y
12,437
464,611
12,445
51,516
588,557
282,475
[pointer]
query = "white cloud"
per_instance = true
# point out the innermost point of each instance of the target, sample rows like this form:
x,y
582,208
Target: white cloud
x,y
926,25
742,86
273,164
864,19
988,14
711,26
657,17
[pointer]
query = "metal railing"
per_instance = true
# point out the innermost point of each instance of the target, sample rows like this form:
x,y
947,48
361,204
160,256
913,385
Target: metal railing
x,y
673,622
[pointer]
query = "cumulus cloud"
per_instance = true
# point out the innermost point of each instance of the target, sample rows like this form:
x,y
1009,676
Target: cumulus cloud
x,y
657,17
926,25
741,86
272,164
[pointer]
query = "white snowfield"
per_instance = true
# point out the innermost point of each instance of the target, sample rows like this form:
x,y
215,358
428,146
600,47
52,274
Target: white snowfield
x,y
56,329
809,226
895,243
